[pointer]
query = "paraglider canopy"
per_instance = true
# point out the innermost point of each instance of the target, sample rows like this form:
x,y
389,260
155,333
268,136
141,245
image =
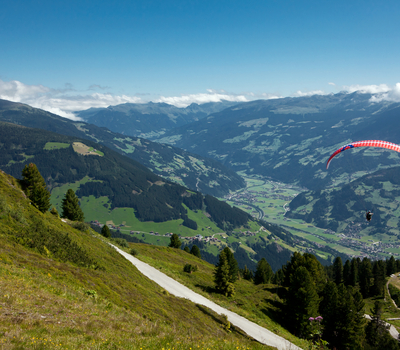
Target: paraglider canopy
x,y
366,143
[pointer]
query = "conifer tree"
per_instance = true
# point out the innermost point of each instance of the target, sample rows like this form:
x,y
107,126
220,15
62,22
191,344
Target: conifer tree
x,y
247,274
338,270
263,273
175,242
350,324
328,308
391,266
346,273
222,276
353,272
35,187
378,272
233,265
70,207
313,266
302,302
365,277
105,231
195,251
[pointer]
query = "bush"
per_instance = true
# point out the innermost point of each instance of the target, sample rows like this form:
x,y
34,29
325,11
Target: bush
x,y
190,268
105,231
79,225
133,252
121,242
54,212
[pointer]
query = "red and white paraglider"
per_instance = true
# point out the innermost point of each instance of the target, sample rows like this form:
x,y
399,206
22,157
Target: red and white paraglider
x,y
367,143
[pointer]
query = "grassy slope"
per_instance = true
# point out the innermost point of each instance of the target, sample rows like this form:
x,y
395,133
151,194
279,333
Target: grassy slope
x,y
258,303
46,303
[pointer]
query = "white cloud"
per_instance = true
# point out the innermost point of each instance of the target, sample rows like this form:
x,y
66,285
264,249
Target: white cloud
x,y
309,93
382,92
211,96
367,89
333,84
61,102
393,95
65,101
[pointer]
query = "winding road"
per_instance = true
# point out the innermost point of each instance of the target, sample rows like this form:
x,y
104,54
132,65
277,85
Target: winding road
x,y
255,331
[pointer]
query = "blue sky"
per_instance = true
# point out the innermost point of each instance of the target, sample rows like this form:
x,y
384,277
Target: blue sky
x,y
96,53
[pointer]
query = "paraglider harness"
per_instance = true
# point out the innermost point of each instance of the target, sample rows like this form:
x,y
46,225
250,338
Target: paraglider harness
x,y
368,215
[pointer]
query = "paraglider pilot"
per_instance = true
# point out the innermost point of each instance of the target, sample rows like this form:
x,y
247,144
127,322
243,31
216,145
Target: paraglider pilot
x,y
368,215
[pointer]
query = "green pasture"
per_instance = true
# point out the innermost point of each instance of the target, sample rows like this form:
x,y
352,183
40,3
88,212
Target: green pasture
x,y
55,145
26,157
58,193
94,209
100,153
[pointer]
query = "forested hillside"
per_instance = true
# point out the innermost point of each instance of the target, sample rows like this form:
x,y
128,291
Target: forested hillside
x,y
106,173
343,209
195,172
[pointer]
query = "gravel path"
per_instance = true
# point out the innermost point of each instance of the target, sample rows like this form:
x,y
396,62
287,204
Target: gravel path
x,y
255,331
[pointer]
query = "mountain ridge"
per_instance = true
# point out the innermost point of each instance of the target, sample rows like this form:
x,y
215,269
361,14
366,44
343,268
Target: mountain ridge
x,y
193,171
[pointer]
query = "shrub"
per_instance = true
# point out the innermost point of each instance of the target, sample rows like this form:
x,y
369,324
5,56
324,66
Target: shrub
x,y
190,268
133,252
121,242
81,226
105,231
54,212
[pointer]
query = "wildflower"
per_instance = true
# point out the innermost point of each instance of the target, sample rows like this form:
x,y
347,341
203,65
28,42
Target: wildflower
x,y
311,319
319,318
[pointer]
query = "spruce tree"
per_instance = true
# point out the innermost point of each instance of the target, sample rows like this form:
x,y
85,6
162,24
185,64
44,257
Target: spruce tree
x,y
378,272
175,242
233,265
35,188
105,231
328,308
222,276
346,273
391,266
350,324
365,277
195,251
263,273
70,207
338,270
302,301
353,272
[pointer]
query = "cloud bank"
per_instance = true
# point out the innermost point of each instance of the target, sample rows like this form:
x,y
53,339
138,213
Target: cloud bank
x,y
62,102
65,101
210,96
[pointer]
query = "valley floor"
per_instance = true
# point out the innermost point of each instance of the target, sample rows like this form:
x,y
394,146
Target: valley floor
x,y
269,200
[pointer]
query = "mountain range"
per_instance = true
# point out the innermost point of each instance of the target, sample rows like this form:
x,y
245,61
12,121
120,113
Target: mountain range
x,y
190,170
148,119
290,139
